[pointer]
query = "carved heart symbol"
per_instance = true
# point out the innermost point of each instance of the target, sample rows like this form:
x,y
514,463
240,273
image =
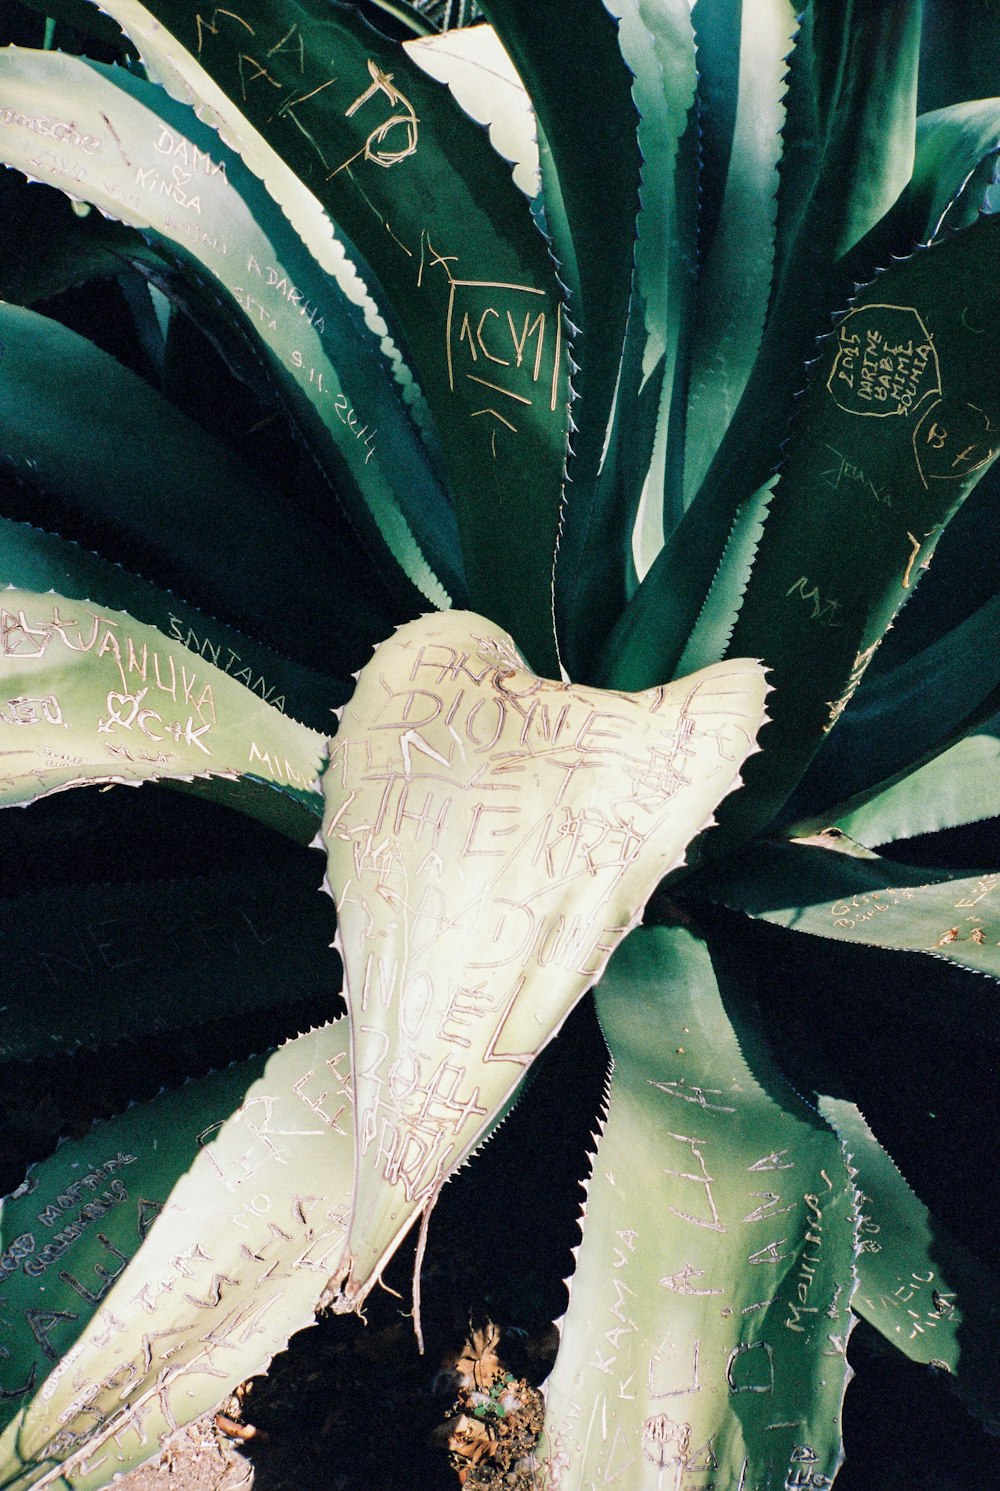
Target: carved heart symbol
x,y
180,176
491,837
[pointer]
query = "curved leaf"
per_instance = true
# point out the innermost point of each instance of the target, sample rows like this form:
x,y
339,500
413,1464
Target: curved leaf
x,y
647,451
77,974
954,175
902,415
80,425
710,1306
920,1288
33,560
47,247
156,1264
734,288
491,836
473,63
960,786
628,278
910,714
447,234
92,696
866,52
142,159
866,60
832,887
958,52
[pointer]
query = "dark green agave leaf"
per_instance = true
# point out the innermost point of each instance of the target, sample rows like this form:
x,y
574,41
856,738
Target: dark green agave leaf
x,y
151,1267
710,1308
958,787
916,1285
958,52
84,18
80,425
78,973
954,175
170,174
901,418
333,117
865,110
832,887
570,55
48,246
907,715
734,288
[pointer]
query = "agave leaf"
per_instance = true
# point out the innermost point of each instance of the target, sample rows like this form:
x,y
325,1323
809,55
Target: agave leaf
x,y
638,478
958,52
156,1264
77,974
92,696
47,247
709,1310
901,418
85,18
491,836
142,158
595,162
734,288
958,787
663,297
954,175
832,887
82,426
908,715
866,60
473,63
866,113
448,236
918,1286
713,630
33,560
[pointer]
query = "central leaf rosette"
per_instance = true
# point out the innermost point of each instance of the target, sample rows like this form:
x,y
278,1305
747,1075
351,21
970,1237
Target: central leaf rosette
x,y
491,837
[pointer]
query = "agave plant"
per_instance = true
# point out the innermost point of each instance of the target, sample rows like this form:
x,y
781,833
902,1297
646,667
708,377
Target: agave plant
x,y
639,353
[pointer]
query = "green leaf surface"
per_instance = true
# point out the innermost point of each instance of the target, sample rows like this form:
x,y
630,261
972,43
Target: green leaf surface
x,y
866,56
907,715
80,425
710,1308
836,888
866,117
80,974
491,836
141,158
958,52
958,787
901,416
153,1266
954,174
664,292
638,486
335,118
33,560
92,696
602,168
48,247
734,287
82,17
916,1285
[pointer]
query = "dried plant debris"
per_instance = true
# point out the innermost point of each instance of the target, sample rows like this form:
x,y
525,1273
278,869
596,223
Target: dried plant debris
x,y
494,1423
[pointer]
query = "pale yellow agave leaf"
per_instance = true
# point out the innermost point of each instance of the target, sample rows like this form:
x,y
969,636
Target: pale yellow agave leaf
x,y
491,837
